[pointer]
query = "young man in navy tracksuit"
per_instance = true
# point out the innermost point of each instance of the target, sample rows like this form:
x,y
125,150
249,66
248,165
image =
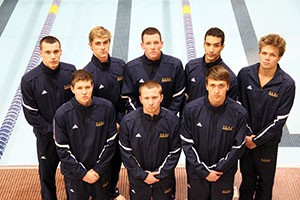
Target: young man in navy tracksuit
x,y
85,138
108,73
44,89
154,65
268,93
196,69
213,136
150,146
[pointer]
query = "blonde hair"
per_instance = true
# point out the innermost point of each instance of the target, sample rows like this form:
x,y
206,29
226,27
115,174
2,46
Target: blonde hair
x,y
273,40
99,32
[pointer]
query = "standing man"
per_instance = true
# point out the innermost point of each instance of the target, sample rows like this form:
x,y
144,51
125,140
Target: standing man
x,y
150,146
196,69
213,136
268,93
154,65
44,89
108,73
85,137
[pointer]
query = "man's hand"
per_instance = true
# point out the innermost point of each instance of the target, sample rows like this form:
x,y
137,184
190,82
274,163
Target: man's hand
x,y
150,179
249,142
91,176
118,127
120,197
213,176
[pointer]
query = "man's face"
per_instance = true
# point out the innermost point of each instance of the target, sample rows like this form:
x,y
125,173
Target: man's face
x,y
269,57
213,47
151,99
216,91
152,46
100,48
83,91
50,54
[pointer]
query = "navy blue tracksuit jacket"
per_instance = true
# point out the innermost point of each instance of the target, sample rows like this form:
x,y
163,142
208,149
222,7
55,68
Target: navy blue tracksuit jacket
x,y
168,71
212,138
268,106
43,91
108,80
195,72
150,144
85,137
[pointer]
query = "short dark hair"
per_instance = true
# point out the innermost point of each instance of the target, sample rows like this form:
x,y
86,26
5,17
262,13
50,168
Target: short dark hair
x,y
49,39
81,75
150,31
216,32
151,84
219,73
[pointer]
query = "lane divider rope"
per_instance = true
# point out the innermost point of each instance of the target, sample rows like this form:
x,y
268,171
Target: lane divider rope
x,y
16,104
188,29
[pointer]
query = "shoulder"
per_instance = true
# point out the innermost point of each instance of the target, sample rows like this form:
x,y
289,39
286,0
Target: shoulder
x,y
169,116
133,115
287,79
32,74
99,101
193,65
135,62
117,61
64,108
248,70
171,60
195,104
232,74
235,106
67,66
90,67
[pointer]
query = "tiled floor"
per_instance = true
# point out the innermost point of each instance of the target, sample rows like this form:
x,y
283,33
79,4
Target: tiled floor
x,y
23,184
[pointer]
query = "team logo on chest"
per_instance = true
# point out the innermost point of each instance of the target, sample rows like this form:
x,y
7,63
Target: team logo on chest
x,y
164,135
228,191
120,78
66,87
165,80
273,94
100,123
227,128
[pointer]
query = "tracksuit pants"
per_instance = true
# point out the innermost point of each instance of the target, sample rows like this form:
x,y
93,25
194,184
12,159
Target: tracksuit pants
x,y
48,162
201,189
258,168
79,190
162,190
115,167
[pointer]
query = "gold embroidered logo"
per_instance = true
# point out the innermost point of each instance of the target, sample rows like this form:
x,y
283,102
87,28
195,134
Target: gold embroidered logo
x,y
101,123
164,135
226,191
227,128
273,94
167,190
265,160
66,87
164,80
120,78
105,184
